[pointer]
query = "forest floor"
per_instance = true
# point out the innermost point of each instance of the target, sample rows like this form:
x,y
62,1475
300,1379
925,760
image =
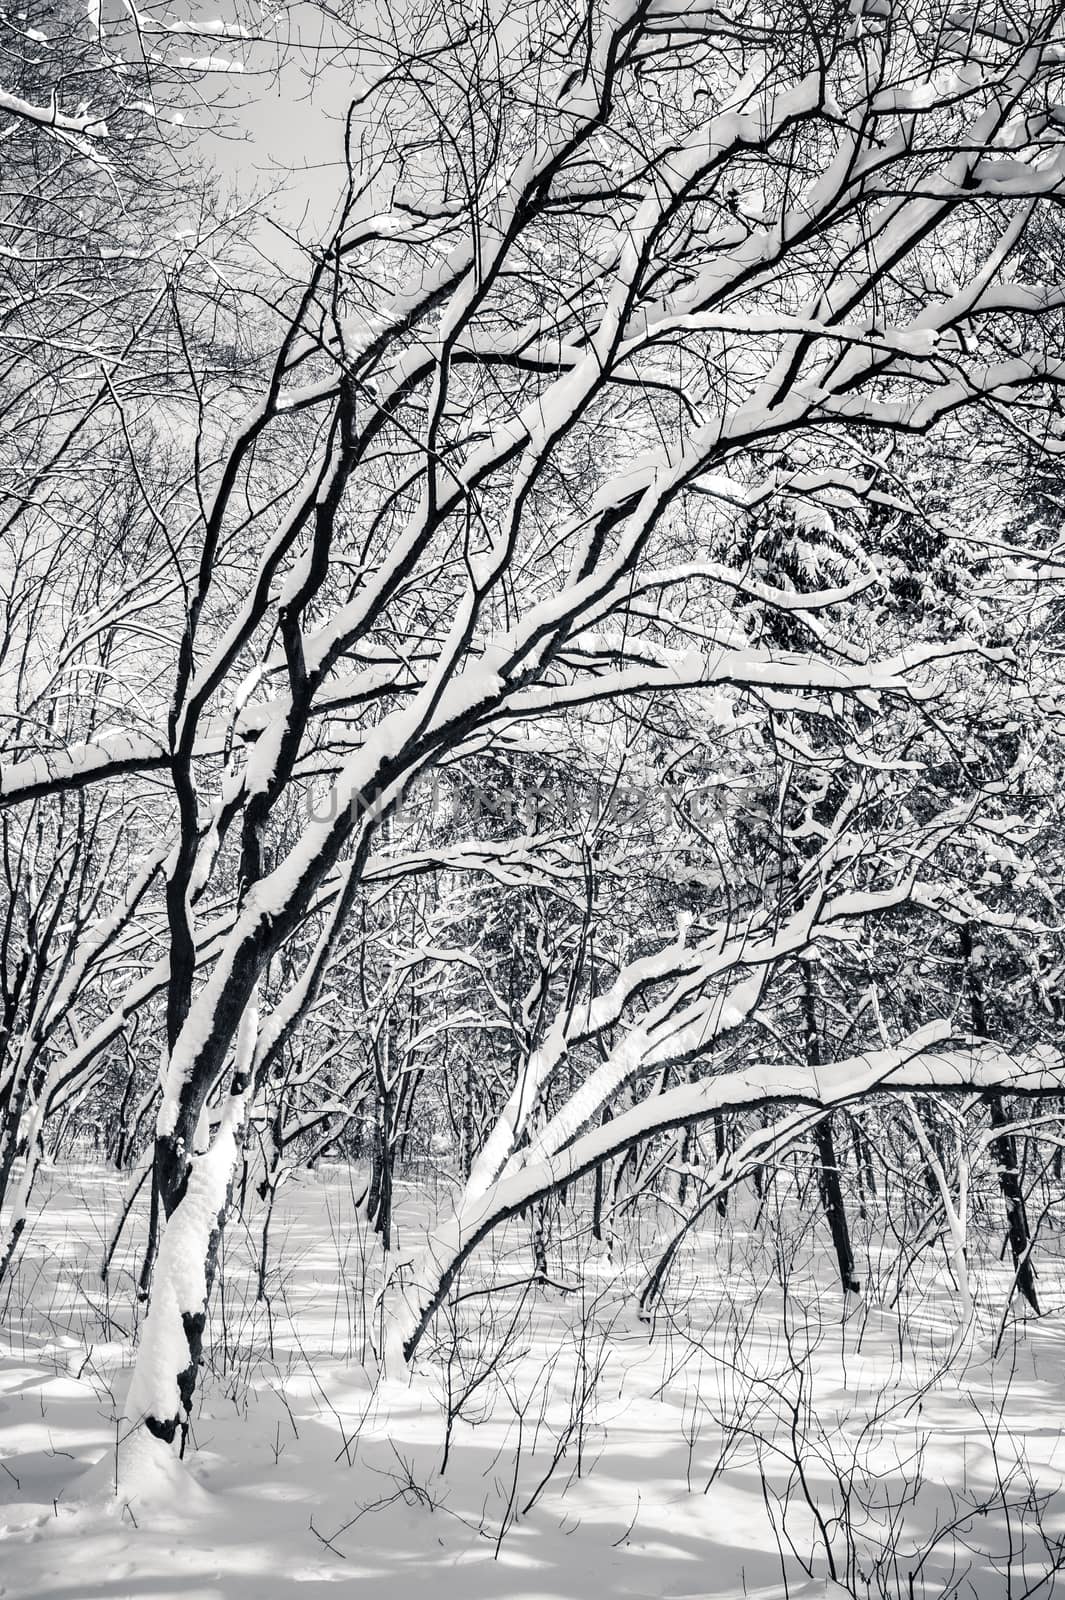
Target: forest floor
x,y
753,1441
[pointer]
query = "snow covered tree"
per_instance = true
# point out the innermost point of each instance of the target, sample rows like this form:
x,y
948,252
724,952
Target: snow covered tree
x,y
602,281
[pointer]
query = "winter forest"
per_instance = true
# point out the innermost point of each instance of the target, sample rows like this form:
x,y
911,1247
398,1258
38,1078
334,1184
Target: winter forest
x,y
532,757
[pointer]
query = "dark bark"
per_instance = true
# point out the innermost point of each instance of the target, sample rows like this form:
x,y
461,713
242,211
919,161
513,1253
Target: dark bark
x,y
597,1192
687,1145
1004,1145
719,1152
832,1200
828,1175
538,1216
379,1200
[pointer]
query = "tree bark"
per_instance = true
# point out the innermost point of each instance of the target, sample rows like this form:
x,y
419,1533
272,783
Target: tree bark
x,y
1004,1145
828,1176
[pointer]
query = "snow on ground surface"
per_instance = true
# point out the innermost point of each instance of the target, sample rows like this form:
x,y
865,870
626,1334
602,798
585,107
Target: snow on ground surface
x,y
754,1442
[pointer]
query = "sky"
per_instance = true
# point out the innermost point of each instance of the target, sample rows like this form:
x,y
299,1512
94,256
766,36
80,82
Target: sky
x,y
279,131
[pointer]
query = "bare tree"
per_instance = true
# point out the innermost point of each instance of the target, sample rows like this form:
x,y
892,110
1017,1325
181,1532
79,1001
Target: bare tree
x,y
602,282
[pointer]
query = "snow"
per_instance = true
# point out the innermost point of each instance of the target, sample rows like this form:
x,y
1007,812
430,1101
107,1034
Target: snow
x,y
115,753
308,1469
310,1462
51,116
210,64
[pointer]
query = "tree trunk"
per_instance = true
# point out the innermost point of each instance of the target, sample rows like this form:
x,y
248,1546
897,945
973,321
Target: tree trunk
x,y
687,1147
538,1219
597,1193
195,1205
832,1200
1004,1145
719,1153
828,1175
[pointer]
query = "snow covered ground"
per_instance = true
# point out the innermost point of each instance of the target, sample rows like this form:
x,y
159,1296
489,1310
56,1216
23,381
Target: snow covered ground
x,y
753,1442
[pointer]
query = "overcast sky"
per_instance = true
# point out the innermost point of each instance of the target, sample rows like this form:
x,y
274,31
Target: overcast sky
x,y
280,131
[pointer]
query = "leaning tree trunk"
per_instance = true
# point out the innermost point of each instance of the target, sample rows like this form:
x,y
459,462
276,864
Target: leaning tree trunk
x,y
1004,1145
194,1189
171,1348
828,1176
